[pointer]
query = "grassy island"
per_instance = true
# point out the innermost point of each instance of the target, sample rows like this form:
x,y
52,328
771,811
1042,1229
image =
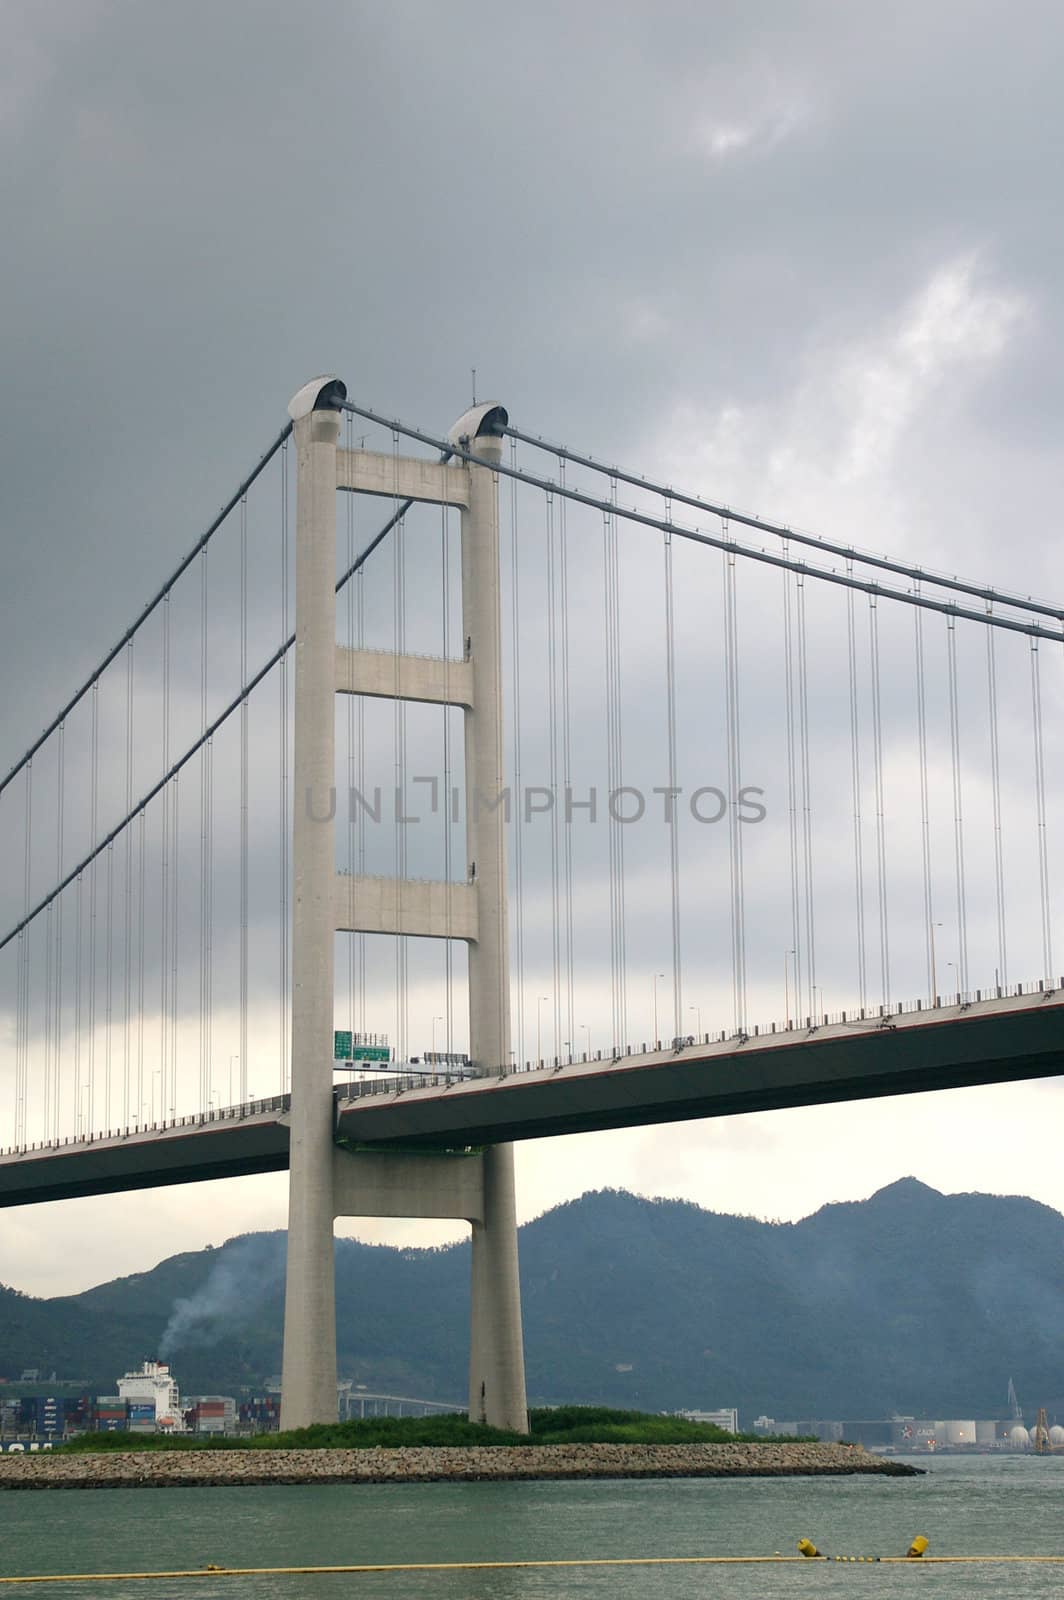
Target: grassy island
x,y
549,1426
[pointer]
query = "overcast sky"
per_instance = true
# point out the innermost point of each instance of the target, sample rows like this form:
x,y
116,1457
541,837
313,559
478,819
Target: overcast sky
x,y
804,257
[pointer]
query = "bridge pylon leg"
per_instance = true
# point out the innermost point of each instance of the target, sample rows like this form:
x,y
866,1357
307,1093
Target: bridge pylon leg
x,y
497,1363
308,1392
497,1376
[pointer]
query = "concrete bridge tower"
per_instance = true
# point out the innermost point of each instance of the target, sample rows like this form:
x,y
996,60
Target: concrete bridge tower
x,y
326,1181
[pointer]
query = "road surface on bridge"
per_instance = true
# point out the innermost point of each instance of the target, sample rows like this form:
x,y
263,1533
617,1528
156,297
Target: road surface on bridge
x,y
988,1041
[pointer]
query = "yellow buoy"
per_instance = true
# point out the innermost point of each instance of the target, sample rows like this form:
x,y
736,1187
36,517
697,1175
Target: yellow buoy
x,y
918,1546
806,1547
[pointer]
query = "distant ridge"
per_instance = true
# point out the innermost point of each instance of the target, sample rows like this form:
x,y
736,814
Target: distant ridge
x,y
910,1301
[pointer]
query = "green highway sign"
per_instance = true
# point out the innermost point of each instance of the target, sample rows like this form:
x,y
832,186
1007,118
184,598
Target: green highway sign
x,y
347,1047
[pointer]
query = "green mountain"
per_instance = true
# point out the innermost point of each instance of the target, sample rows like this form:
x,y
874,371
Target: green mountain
x,y
910,1301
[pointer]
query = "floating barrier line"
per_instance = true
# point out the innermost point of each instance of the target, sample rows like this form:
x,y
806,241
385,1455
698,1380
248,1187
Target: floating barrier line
x,y
498,1566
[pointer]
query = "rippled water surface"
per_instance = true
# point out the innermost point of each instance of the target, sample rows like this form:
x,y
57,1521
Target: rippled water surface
x,y
1009,1506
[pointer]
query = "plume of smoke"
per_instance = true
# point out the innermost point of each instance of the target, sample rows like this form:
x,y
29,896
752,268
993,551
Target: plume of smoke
x,y
243,1276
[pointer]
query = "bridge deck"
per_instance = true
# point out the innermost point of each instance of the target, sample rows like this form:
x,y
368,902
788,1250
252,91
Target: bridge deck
x,y
991,1041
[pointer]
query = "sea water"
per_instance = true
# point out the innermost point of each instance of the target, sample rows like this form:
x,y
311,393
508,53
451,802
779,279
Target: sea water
x,y
982,1505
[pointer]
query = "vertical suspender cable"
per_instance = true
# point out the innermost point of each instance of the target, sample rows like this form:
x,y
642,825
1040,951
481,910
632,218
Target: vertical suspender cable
x,y
518,832
175,929
164,877
78,941
109,986
94,812
59,852
925,807
244,802
672,808
1040,813
610,767
793,789
958,807
141,827
567,761
806,795
614,724
283,798
622,926
402,954
881,835
855,792
49,1014
552,772
734,765
22,1076
995,787
204,866
127,892
349,600
448,855
618,686
360,780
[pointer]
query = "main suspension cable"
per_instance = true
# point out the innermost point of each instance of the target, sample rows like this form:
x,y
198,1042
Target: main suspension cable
x,y
749,552
157,599
278,657
786,532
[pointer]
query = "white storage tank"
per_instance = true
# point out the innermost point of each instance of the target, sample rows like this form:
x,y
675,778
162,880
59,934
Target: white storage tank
x,y
987,1432
1056,1434
1019,1437
960,1433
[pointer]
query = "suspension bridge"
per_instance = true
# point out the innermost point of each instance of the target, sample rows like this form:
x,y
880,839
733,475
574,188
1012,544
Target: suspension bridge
x,y
803,787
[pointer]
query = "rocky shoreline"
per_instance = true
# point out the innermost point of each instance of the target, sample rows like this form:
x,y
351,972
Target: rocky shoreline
x,y
159,1469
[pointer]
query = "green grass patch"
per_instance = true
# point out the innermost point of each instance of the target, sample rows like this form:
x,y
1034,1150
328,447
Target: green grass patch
x,y
549,1425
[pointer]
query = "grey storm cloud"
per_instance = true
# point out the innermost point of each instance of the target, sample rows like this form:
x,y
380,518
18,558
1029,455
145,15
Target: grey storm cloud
x,y
802,257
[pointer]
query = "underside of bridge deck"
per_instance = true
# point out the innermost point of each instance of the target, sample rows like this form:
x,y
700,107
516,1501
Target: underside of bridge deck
x,y
996,1041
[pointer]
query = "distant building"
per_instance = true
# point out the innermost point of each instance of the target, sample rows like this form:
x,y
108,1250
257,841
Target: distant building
x,y
727,1418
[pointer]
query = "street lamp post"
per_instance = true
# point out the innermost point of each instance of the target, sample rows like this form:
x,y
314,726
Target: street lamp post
x,y
587,1030
698,1019
539,1029
787,954
434,1022
657,975
934,971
